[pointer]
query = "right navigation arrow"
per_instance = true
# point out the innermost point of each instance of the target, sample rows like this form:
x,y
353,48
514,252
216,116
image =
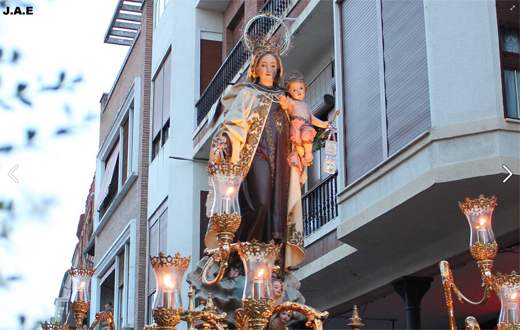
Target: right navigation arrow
x,y
508,171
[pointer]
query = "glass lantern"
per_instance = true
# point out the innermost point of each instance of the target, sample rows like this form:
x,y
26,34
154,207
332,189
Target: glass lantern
x,y
258,259
80,284
169,272
226,179
479,211
508,290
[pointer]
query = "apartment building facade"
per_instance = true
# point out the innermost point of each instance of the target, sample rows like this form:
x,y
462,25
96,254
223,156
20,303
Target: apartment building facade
x,y
119,237
82,257
426,93
427,118
419,82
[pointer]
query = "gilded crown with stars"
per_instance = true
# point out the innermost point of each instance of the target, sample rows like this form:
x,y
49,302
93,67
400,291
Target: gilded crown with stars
x,y
266,32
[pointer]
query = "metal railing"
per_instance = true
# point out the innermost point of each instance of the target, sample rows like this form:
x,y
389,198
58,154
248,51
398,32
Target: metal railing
x,y
320,205
234,62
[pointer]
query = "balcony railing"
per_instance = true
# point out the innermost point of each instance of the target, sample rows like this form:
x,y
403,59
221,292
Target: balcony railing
x,y
320,205
234,62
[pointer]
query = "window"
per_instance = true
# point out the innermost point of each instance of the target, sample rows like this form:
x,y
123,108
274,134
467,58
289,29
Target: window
x,y
114,278
385,81
161,107
210,57
157,243
315,172
511,87
121,288
113,289
60,309
320,98
149,314
159,10
507,14
233,30
117,163
107,289
116,166
116,169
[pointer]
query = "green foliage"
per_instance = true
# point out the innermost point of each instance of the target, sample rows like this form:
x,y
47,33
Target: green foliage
x,y
319,142
23,94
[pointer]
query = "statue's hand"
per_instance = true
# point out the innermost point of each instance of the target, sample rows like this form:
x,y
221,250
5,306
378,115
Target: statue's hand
x,y
284,101
221,149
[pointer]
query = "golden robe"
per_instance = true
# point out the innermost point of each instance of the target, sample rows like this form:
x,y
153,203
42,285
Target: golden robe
x,y
270,196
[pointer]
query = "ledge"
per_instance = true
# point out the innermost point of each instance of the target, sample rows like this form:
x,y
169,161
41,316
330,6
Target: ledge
x,y
115,203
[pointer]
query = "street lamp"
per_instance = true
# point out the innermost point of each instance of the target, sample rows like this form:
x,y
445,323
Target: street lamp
x,y
508,289
483,248
225,216
168,276
80,299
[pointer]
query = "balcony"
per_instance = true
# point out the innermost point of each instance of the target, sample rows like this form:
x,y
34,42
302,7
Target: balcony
x,y
320,205
234,62
125,23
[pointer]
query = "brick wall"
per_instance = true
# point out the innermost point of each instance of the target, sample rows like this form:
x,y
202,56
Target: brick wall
x,y
134,204
142,226
250,8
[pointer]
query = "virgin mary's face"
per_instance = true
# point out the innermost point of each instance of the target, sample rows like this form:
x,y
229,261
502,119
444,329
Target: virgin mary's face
x,y
267,69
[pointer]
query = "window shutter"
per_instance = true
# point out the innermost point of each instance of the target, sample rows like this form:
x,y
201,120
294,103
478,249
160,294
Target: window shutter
x,y
167,73
163,232
406,72
158,88
314,171
210,61
153,251
318,87
361,81
121,273
110,167
124,157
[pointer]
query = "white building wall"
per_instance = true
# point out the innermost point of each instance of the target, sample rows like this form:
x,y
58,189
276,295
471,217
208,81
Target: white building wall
x,y
158,181
463,61
163,34
209,26
183,98
158,178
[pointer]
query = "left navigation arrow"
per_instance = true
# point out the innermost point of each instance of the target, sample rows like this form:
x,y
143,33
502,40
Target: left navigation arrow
x,y
10,173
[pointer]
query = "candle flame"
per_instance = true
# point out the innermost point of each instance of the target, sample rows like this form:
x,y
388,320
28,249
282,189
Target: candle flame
x,y
260,273
482,221
167,281
81,285
230,190
513,296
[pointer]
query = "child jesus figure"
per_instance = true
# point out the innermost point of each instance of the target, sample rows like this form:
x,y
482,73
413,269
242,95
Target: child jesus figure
x,y
301,131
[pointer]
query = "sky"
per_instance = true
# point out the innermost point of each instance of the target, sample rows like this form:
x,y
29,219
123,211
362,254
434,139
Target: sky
x,y
54,172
